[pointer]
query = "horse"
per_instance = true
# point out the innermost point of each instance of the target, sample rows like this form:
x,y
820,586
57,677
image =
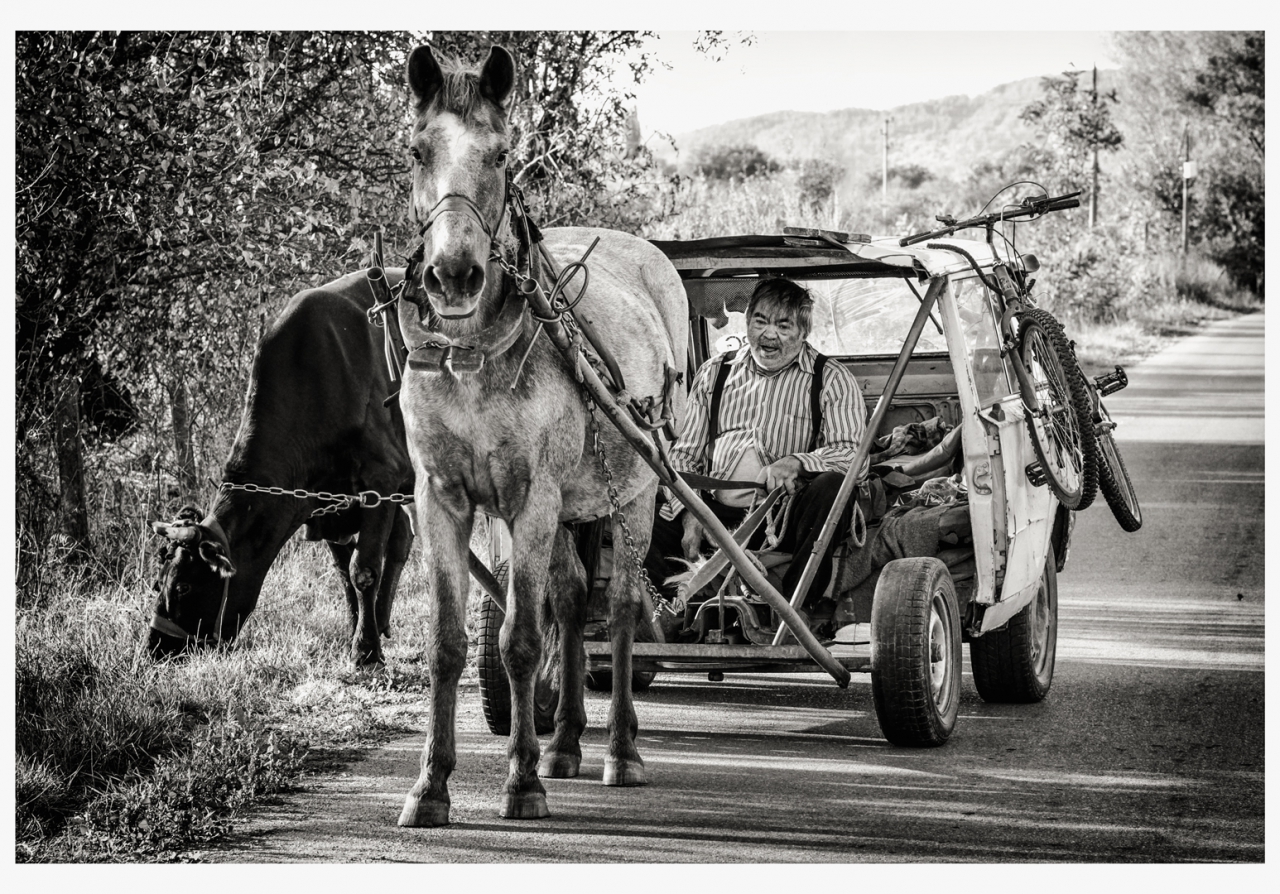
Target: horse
x,y
314,419
496,423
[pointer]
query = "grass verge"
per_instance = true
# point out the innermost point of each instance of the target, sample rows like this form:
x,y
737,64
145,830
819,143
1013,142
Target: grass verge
x,y
120,759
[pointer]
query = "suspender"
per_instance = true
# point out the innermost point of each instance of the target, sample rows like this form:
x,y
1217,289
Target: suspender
x,y
713,421
717,391
815,400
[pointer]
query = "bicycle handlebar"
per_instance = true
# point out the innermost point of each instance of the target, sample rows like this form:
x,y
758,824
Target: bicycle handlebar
x,y
1036,205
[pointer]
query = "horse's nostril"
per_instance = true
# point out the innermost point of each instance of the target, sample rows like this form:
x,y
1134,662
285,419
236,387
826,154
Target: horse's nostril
x,y
431,281
475,282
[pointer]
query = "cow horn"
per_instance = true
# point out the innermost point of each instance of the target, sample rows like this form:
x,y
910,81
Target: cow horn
x,y
183,534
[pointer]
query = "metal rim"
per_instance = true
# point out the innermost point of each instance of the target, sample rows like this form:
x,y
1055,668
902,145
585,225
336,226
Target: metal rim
x,y
1040,622
1053,394
941,667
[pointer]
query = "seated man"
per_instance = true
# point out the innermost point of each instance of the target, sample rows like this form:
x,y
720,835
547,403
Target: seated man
x,y
751,416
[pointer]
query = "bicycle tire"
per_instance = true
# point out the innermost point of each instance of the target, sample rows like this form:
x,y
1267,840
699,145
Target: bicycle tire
x,y
1046,356
1081,401
1113,477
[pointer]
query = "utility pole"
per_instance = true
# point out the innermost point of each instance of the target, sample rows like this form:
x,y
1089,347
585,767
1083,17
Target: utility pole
x,y
1093,193
884,177
1188,171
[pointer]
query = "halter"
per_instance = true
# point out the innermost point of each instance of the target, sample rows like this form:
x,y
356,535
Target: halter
x,y
172,628
439,352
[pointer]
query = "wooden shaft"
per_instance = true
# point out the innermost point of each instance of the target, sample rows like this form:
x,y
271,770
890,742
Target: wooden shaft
x,y
864,448
716,530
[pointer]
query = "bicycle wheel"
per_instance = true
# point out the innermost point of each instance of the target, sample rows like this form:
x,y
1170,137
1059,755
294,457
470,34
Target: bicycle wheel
x,y
1113,477
1057,408
1081,401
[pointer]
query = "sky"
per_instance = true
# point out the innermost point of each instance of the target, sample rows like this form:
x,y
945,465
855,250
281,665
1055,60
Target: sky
x,y
820,71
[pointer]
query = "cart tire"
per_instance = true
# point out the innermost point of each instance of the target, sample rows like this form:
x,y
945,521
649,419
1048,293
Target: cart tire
x,y
602,680
1015,663
1114,479
915,652
495,686
1066,450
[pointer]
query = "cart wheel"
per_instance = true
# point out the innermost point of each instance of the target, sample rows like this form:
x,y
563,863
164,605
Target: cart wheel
x,y
1015,663
495,686
1066,453
602,680
915,652
1113,478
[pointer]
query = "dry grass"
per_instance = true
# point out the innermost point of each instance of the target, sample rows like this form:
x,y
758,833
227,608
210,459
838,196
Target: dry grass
x,y
115,753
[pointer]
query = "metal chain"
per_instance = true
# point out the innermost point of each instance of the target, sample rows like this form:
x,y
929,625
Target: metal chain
x,y
366,499
660,603
561,307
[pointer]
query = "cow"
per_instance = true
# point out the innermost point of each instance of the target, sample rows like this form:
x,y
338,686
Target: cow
x,y
316,418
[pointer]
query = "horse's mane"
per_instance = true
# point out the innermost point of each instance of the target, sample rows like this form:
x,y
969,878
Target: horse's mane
x,y
461,96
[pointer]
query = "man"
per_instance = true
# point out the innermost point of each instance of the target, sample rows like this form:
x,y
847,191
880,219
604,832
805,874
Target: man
x,y
764,430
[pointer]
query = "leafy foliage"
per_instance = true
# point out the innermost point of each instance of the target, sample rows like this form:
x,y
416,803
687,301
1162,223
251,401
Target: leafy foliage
x,y
739,161
1210,86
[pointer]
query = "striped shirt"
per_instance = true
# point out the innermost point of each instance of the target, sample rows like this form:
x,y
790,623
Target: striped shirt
x,y
770,412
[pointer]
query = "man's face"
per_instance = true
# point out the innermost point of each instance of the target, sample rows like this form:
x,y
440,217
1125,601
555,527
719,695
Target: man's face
x,y
774,334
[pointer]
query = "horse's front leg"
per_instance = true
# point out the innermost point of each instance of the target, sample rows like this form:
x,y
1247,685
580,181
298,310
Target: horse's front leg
x,y
567,594
447,531
533,534
623,765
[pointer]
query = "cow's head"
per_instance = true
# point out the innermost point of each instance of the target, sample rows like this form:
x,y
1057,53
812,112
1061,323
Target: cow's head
x,y
195,568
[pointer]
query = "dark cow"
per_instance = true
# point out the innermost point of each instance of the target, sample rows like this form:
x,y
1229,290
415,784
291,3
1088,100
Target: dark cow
x,y
314,419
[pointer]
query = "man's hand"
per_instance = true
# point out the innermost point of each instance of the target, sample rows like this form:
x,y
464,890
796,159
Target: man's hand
x,y
785,473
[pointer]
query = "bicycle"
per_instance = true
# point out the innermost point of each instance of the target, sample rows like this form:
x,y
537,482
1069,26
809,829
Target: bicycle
x,y
1113,477
1053,390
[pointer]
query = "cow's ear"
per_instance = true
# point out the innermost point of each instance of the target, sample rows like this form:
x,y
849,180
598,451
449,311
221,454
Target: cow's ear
x,y
425,76
213,553
498,77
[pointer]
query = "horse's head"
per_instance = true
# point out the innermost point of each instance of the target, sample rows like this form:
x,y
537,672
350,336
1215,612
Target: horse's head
x,y
192,587
460,146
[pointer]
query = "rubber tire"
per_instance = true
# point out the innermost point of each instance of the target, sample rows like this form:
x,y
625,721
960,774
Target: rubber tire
x,y
1114,480
495,685
1014,664
1075,400
914,604
602,680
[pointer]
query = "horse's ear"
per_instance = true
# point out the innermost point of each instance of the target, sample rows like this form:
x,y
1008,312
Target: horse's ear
x,y
498,76
425,76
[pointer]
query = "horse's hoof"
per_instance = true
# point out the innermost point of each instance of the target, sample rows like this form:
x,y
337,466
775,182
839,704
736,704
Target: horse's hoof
x,y
419,814
527,805
559,765
620,771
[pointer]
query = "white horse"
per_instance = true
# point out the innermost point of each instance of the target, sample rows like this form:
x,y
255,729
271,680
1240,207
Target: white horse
x,y
512,438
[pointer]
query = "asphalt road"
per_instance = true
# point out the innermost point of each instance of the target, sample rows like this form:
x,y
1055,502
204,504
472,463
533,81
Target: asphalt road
x,y
1150,746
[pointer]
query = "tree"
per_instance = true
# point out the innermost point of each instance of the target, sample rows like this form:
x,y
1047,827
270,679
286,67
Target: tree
x,y
1075,123
1211,83
739,161
174,188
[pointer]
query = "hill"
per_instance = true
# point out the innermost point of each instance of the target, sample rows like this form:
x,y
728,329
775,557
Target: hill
x,y
948,136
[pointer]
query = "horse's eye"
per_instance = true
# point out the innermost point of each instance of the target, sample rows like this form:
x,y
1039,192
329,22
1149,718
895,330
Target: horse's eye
x,y
417,156
502,158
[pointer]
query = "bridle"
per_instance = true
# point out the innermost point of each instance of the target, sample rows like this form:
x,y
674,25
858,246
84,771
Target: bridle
x,y
171,628
438,351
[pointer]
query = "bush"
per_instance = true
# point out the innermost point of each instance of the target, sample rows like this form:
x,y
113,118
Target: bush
x,y
737,162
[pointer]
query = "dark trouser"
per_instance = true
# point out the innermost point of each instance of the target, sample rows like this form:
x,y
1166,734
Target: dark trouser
x,y
804,524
